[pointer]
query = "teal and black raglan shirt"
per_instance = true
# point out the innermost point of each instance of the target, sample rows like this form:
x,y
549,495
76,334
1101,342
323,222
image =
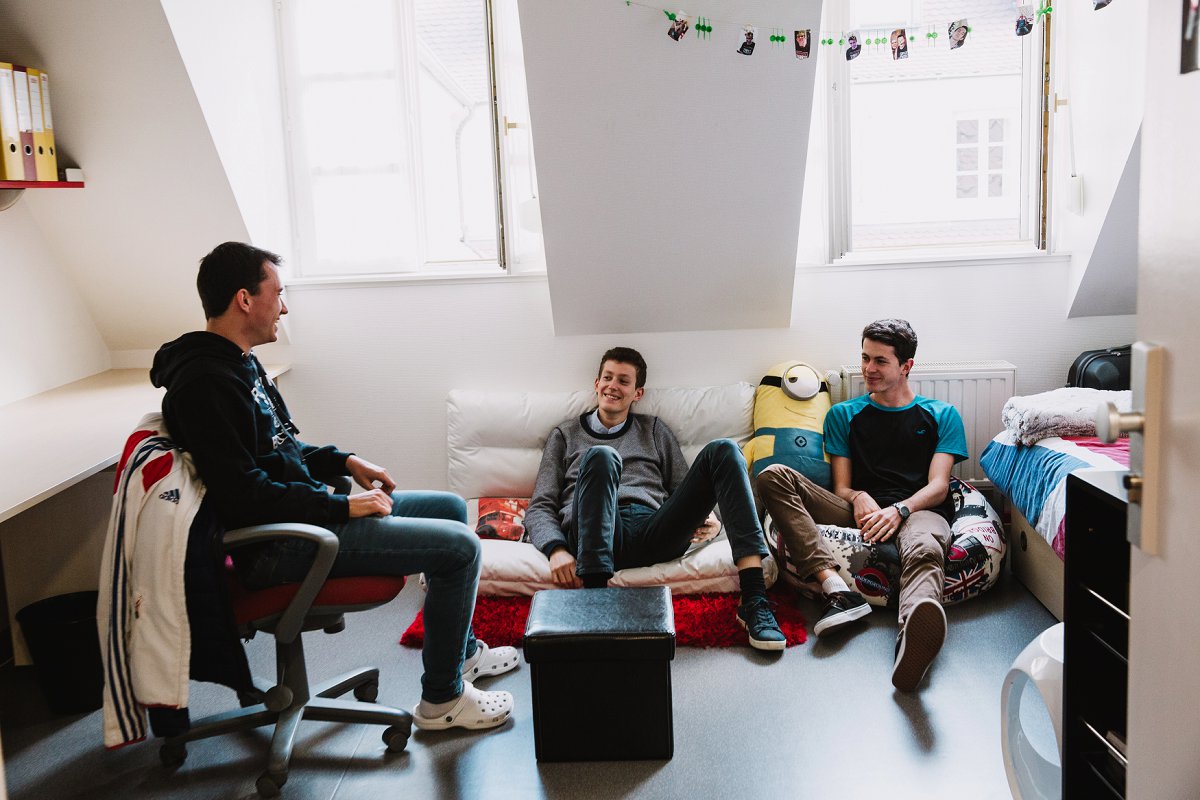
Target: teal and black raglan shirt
x,y
890,449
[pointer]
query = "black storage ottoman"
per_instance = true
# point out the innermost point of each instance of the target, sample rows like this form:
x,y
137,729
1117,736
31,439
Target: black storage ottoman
x,y
600,664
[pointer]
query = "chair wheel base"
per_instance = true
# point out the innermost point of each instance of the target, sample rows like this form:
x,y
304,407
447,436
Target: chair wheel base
x,y
367,692
172,755
268,785
278,698
396,738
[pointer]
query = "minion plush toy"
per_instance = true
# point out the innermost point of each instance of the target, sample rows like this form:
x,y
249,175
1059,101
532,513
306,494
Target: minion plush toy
x,y
790,405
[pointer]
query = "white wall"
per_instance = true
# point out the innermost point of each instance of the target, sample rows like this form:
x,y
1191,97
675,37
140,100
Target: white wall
x,y
372,365
669,172
229,50
1101,74
157,197
47,337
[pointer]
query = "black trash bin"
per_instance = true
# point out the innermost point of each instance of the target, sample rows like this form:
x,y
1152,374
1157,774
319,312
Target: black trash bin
x,y
65,647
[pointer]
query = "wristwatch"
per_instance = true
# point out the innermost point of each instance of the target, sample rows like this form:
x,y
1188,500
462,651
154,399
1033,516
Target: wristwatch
x,y
904,512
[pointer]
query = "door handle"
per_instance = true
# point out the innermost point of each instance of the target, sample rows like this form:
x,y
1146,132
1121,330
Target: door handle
x,y
1111,422
1143,483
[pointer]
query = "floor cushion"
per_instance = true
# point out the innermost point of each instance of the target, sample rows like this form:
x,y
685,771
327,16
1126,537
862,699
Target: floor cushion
x,y
973,563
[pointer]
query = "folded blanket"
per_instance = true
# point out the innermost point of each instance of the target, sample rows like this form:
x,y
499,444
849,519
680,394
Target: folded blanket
x,y
1059,412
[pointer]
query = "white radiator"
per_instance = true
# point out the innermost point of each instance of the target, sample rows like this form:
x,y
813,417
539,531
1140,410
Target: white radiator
x,y
978,389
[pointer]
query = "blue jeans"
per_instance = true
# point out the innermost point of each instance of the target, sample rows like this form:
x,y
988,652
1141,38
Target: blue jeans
x,y
426,532
608,537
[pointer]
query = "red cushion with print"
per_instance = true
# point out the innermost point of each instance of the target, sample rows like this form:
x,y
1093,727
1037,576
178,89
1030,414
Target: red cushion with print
x,y
498,517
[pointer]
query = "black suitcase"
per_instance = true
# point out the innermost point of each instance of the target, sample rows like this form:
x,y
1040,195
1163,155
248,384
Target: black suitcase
x,y
1101,369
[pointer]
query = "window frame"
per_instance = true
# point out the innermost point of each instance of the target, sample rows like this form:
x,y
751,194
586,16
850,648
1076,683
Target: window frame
x,y
1032,148
300,176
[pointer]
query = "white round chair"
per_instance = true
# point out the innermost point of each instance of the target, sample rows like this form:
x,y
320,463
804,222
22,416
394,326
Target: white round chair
x,y
1030,775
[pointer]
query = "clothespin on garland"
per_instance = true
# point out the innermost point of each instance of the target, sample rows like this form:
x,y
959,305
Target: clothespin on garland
x,y
777,37
1046,9
703,28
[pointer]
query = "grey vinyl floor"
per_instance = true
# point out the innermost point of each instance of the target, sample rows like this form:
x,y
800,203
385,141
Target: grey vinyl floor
x,y
819,721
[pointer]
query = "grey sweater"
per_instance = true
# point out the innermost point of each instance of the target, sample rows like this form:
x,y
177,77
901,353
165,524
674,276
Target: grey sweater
x,y
653,468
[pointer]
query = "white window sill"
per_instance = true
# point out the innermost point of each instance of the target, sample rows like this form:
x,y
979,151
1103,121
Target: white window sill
x,y
908,259
490,275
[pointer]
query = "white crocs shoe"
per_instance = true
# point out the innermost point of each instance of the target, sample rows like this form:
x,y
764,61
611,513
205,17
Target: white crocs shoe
x,y
488,662
475,710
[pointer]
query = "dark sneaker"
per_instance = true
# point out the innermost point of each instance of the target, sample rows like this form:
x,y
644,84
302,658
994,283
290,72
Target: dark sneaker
x,y
756,617
841,608
919,642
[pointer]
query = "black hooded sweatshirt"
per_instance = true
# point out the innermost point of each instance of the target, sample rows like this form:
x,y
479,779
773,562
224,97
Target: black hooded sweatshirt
x,y
221,407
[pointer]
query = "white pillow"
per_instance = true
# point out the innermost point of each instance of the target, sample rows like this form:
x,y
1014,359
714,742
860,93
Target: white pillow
x,y
494,439
517,568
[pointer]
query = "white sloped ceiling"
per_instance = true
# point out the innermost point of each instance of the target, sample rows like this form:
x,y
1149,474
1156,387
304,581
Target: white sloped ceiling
x,y
670,173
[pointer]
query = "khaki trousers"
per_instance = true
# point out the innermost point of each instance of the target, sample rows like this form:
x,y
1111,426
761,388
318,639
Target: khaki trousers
x,y
797,506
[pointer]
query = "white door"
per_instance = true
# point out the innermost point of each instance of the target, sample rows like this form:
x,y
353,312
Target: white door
x,y
1164,664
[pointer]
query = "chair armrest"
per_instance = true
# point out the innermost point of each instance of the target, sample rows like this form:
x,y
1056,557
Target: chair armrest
x,y
327,547
341,484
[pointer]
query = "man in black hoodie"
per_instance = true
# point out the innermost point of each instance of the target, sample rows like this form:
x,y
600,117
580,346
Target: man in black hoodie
x,y
221,407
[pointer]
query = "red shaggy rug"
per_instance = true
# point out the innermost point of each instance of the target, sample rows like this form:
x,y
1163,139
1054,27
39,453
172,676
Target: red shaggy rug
x,y
701,620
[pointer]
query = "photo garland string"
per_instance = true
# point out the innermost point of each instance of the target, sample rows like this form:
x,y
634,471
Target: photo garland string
x,y
680,26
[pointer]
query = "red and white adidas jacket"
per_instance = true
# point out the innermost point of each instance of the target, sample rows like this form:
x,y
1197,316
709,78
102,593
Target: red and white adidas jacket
x,y
145,640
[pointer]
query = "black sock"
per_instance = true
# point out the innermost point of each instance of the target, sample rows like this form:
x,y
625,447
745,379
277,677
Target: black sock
x,y
753,583
596,580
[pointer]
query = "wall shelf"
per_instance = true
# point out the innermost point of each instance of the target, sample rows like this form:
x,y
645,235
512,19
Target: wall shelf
x,y
41,184
11,191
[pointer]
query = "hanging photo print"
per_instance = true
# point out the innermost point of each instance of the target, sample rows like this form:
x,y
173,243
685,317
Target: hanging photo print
x,y
1099,4
899,42
958,33
1024,20
802,39
853,47
747,47
679,26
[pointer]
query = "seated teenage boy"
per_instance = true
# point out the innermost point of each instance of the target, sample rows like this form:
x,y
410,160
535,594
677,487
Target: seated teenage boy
x,y
614,491
891,451
222,408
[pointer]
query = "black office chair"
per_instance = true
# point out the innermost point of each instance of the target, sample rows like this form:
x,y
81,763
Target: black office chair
x,y
318,602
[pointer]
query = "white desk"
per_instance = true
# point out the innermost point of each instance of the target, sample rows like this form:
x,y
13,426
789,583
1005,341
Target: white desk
x,y
56,439
49,443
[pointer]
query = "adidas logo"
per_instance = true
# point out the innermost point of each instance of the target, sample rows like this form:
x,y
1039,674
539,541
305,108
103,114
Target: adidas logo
x,y
171,496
